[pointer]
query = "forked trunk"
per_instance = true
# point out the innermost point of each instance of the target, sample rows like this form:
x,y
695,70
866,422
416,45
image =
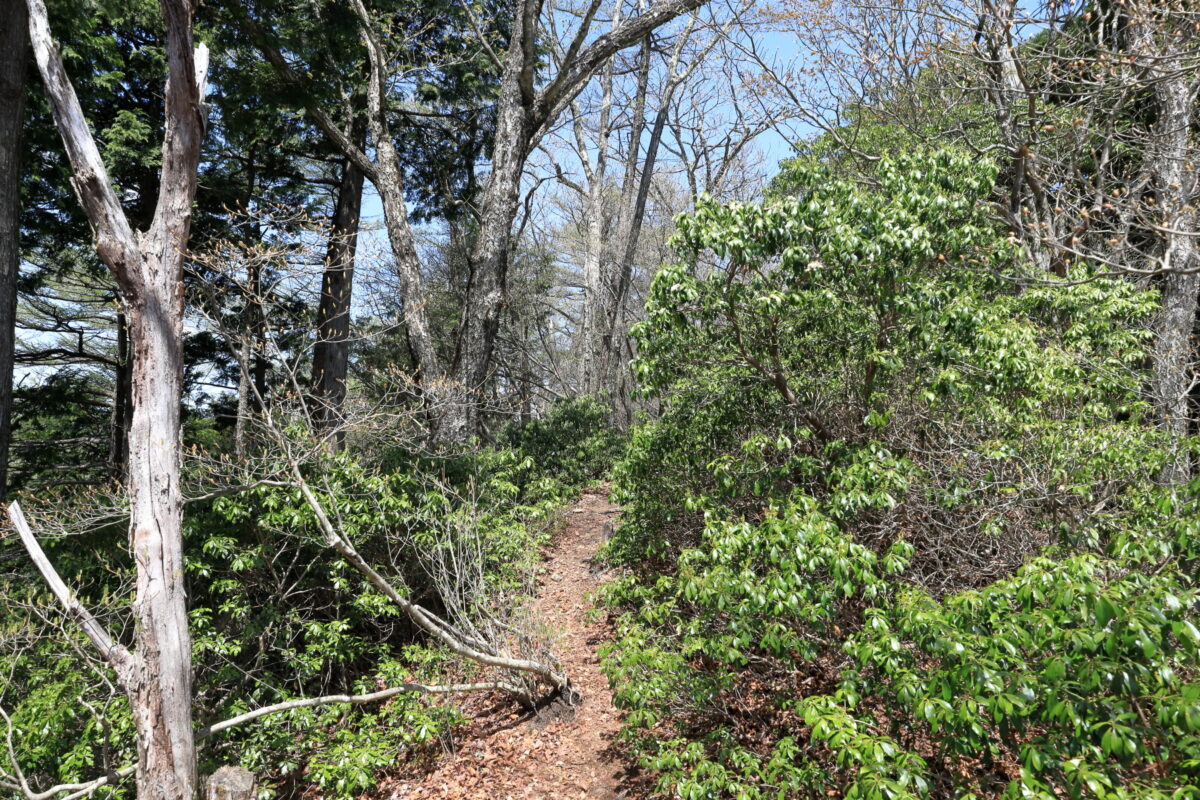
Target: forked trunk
x,y
149,270
488,291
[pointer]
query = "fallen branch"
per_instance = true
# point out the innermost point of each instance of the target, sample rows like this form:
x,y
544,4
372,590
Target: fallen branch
x,y
79,790
352,699
119,657
443,632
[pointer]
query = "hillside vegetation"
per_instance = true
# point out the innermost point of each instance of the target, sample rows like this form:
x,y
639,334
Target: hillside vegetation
x,y
896,532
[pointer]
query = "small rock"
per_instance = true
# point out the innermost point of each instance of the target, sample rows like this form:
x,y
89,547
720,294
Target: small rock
x,y
231,783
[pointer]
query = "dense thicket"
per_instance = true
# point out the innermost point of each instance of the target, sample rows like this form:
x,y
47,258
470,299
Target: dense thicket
x,y
918,550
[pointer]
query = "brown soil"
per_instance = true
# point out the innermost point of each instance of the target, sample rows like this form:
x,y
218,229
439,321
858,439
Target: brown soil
x,y
559,752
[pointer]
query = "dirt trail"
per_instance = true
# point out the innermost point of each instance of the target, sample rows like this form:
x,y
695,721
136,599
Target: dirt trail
x,y
562,753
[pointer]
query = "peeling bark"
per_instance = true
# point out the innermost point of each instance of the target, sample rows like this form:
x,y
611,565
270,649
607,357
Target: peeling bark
x,y
148,267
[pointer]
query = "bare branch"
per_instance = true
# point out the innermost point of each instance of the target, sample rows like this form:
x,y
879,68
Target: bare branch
x,y
115,653
575,74
352,699
114,238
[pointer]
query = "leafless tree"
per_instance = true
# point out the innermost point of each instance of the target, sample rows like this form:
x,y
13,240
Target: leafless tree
x,y
627,129
156,674
528,106
1088,110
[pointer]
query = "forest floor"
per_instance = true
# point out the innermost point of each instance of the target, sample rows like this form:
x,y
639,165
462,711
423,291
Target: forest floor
x,y
559,752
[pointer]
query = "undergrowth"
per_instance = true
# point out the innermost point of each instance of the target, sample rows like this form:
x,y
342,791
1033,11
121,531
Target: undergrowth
x,y
275,615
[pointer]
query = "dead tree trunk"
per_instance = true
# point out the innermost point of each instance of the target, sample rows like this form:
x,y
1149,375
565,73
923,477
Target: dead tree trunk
x,y
148,267
230,783
14,49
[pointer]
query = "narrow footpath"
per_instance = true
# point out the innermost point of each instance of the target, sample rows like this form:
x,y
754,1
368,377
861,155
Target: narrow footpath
x,y
562,753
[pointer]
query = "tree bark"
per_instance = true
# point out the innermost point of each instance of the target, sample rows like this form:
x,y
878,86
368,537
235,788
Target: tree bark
x,y
14,50
148,267
230,783
388,179
1157,33
487,291
1173,166
595,291
118,442
245,400
332,352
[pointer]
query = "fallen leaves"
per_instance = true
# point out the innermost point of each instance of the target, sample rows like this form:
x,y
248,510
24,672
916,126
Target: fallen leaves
x,y
562,753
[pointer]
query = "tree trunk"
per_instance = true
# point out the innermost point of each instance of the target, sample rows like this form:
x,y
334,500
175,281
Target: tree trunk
x,y
1173,171
1174,362
252,365
160,683
488,290
1155,36
526,378
1029,213
628,227
118,449
332,352
388,179
245,400
14,50
230,783
259,322
149,270
595,289
487,293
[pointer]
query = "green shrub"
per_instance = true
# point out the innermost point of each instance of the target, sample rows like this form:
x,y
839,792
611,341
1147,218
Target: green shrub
x,y
894,533
574,442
